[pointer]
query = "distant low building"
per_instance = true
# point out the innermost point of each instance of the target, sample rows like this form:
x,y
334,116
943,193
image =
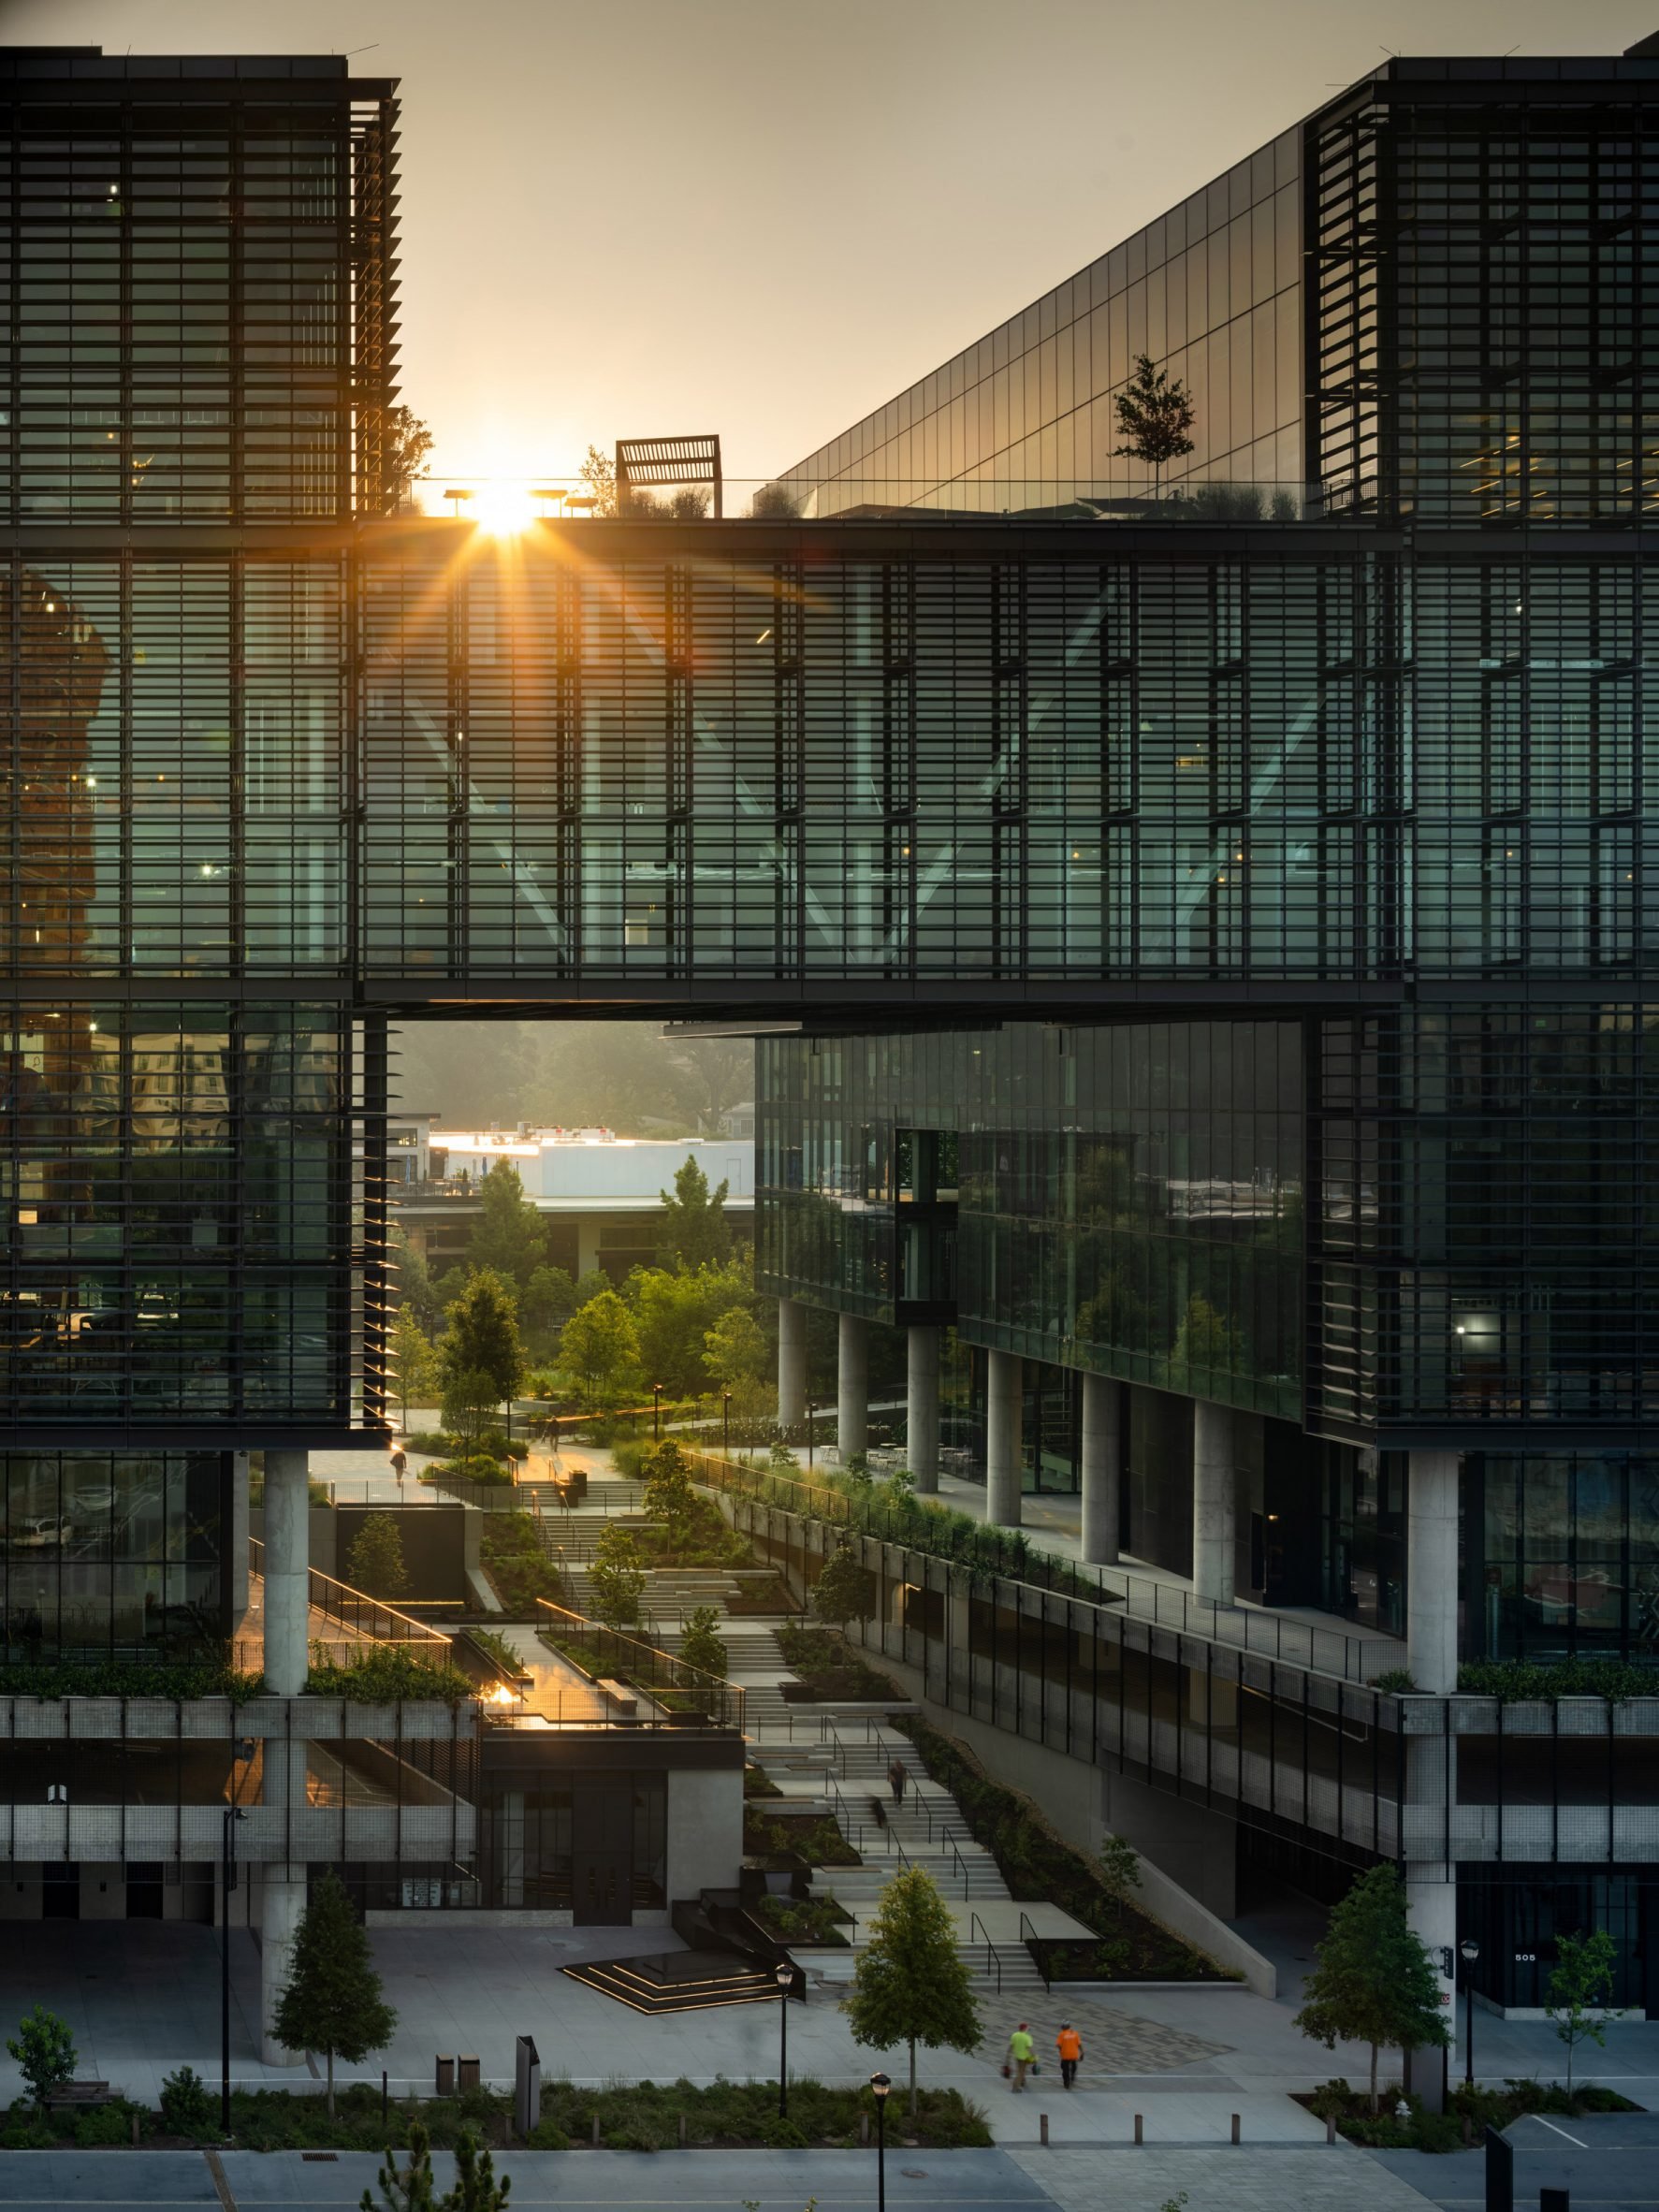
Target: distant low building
x,y
601,1193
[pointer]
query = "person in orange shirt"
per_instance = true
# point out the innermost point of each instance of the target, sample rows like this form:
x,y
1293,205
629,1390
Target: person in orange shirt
x,y
1070,2045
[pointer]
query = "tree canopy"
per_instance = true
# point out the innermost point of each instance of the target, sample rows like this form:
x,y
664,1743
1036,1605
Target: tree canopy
x,y
616,1579
375,1562
1154,413
1374,1983
509,1236
694,1228
910,1983
599,1348
675,1308
844,1591
416,1371
735,1349
483,1335
332,2002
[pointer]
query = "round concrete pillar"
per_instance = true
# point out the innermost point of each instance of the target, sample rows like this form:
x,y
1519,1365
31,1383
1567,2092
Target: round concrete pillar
x,y
922,1406
1004,1408
853,1387
791,1363
1212,1502
1432,1571
281,1904
287,1562
1102,1468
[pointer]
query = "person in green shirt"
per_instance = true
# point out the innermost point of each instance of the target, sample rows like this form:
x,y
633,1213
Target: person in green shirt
x,y
1021,2051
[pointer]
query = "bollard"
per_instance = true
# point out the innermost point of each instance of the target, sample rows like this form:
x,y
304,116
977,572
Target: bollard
x,y
596,2131
682,2131
1331,2127
1235,2127
1137,2137
1554,2199
1042,2127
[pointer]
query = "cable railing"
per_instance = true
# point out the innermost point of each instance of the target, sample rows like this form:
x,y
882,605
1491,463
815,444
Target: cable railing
x,y
684,1695
366,1617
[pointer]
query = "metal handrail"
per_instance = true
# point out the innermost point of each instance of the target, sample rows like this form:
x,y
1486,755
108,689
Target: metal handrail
x,y
338,1601
1033,1943
993,1956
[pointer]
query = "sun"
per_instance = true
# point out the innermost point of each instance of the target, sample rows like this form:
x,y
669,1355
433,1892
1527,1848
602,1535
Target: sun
x,y
502,507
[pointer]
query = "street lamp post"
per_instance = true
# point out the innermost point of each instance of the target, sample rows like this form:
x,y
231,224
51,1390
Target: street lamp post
x,y
242,1750
725,1424
880,2085
811,1410
657,1413
786,1977
1471,1952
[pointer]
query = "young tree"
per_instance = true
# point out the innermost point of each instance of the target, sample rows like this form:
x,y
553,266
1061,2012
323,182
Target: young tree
x,y
693,1229
416,1370
910,1984
470,1402
1120,1872
616,1579
1154,416
668,1493
411,2191
476,2189
333,2003
332,2000
413,1282
598,471
375,1562
736,1351
509,1237
546,1302
1579,1992
44,2049
674,1309
598,1348
1375,1983
844,1591
701,1646
483,1335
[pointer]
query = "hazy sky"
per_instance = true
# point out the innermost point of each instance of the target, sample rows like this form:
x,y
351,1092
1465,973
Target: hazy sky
x,y
764,217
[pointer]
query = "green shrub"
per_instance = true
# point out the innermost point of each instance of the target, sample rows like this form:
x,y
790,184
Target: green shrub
x,y
1393,1680
1514,1681
108,2127
510,1547
186,2104
386,1673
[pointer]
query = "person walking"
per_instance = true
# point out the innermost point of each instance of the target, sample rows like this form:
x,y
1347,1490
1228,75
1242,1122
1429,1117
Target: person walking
x,y
1070,2045
896,1777
1021,2052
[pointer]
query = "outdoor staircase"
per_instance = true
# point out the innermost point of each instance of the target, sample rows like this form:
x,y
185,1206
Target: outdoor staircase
x,y
679,1981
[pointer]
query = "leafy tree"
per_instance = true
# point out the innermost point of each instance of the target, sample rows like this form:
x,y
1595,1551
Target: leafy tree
x,y
333,2003
416,1372
1154,416
774,502
1207,1339
616,1579
737,1348
405,444
1583,1980
668,1493
910,1984
694,1228
674,1309
375,1560
701,1645
598,1348
414,1285
598,471
44,2049
509,1237
844,1591
483,1335
469,1403
1375,1983
545,1304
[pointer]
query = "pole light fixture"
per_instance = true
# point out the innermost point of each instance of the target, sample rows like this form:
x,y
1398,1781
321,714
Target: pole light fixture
x,y
1470,1951
880,2085
786,1982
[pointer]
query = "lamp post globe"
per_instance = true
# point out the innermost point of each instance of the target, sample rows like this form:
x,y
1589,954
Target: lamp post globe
x,y
880,2085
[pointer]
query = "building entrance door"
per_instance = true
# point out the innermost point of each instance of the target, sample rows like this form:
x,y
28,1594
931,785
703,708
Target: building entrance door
x,y
60,1889
603,1889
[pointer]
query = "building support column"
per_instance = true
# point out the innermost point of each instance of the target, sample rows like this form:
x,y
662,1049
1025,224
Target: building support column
x,y
791,1364
1432,1908
1212,1502
921,1407
852,1388
1431,1572
287,1561
1004,1409
1102,1468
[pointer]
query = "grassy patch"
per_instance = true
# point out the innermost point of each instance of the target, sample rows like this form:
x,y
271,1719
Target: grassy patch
x,y
1037,1865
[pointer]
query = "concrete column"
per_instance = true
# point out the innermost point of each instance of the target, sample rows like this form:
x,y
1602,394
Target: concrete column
x,y
1432,1571
853,1387
791,1363
281,1903
1212,1502
1004,1407
1102,1468
287,1558
921,1407
1431,1907
239,1536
